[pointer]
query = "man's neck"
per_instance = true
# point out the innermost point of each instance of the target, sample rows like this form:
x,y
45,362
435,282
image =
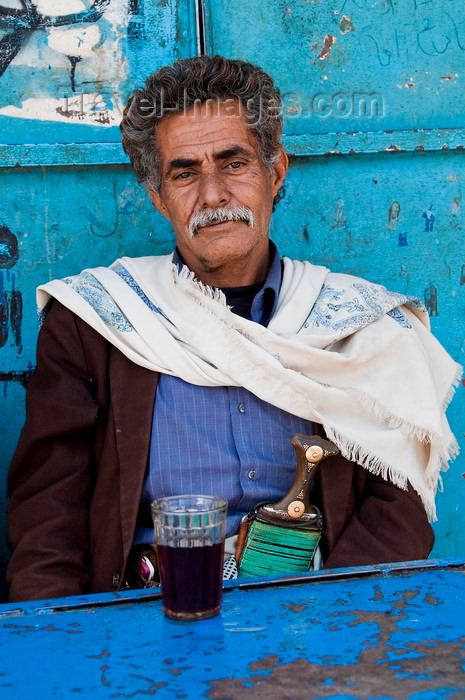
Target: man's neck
x,y
234,273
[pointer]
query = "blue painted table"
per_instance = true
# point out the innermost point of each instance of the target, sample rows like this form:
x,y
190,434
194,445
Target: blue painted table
x,y
392,631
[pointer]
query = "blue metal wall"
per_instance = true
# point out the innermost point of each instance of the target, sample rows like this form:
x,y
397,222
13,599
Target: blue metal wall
x,y
373,100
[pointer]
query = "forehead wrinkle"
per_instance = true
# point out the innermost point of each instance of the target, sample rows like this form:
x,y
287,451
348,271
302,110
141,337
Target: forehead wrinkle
x,y
201,141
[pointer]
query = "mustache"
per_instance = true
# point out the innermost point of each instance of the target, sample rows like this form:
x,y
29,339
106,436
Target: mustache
x,y
219,215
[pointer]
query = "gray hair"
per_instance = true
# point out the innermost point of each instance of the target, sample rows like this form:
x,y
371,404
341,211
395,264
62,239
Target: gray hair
x,y
188,83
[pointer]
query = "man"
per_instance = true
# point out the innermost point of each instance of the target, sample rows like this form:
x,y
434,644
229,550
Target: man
x,y
191,372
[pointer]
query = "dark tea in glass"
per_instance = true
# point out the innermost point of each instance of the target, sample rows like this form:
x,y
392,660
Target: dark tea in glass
x,y
189,533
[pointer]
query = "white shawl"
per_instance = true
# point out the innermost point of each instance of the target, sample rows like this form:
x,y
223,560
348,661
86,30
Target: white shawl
x,y
339,350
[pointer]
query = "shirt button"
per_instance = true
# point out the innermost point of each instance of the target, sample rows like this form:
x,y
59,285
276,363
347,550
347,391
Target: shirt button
x,y
251,474
116,579
241,407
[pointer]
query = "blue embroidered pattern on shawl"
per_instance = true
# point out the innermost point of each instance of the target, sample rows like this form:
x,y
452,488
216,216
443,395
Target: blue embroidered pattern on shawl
x,y
90,289
398,316
95,294
346,310
129,279
42,313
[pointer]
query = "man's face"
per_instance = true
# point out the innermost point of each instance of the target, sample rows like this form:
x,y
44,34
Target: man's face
x,y
211,160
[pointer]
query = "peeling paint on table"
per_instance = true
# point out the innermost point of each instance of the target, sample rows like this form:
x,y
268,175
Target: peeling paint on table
x,y
395,632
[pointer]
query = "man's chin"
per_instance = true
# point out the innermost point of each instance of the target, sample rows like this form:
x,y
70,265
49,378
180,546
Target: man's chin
x,y
218,258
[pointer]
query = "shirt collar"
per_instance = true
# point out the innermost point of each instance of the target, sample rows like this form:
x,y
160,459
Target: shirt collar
x,y
265,302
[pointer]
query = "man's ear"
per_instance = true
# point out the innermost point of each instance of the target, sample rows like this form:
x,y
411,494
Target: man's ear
x,y
279,172
158,203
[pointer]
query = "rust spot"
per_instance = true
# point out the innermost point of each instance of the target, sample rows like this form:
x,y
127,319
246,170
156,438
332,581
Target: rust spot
x,y
345,25
406,596
445,147
329,41
293,607
394,149
352,152
104,654
409,85
151,690
419,148
269,661
459,148
314,47
446,77
103,669
178,671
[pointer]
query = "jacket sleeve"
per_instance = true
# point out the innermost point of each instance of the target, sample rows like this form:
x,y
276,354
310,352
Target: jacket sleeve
x,y
380,523
51,475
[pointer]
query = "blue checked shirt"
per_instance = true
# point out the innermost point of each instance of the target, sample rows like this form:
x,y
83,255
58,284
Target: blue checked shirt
x,y
221,440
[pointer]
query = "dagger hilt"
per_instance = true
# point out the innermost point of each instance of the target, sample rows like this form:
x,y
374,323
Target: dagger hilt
x,y
295,506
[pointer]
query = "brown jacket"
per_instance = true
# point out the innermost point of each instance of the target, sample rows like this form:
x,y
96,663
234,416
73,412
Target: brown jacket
x,y
77,475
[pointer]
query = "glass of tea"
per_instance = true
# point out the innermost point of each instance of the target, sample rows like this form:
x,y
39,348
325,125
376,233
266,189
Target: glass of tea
x,y
189,535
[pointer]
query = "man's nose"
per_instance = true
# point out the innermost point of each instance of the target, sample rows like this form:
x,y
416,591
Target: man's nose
x,y
213,190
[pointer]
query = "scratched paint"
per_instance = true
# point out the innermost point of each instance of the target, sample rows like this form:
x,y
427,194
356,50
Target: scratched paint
x,y
391,636
70,65
408,53
329,40
11,311
345,25
21,23
77,47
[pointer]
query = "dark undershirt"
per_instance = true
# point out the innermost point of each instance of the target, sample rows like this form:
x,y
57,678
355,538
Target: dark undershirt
x,y
240,299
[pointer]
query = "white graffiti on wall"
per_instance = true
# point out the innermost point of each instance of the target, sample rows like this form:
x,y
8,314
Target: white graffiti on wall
x,y
63,60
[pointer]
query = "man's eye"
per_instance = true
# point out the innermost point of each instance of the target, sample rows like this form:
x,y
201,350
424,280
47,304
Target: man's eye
x,y
183,176
236,165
